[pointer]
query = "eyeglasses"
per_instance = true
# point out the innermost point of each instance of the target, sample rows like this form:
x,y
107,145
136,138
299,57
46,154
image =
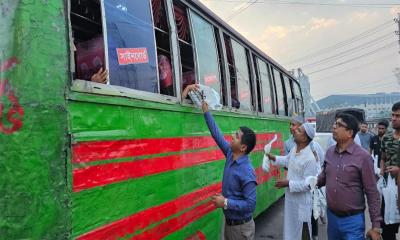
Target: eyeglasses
x,y
339,124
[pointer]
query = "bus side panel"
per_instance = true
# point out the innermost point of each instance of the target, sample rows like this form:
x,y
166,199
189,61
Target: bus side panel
x,y
145,170
33,125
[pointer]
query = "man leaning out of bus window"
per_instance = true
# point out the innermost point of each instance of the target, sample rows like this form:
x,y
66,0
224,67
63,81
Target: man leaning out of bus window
x,y
238,198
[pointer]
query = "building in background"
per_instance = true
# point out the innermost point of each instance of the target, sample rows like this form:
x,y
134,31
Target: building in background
x,y
376,106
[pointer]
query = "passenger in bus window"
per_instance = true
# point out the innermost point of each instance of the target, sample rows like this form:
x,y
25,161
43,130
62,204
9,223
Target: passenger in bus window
x,y
165,74
90,60
234,98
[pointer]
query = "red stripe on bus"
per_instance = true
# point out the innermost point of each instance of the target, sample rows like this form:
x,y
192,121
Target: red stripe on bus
x,y
174,224
152,215
100,175
104,150
145,218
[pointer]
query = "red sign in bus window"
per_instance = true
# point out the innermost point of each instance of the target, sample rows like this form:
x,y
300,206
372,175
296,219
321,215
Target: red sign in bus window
x,y
132,56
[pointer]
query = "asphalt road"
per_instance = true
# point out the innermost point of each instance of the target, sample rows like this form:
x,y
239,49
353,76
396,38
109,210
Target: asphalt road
x,y
269,224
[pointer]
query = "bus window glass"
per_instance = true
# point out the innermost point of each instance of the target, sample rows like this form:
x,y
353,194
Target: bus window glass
x,y
131,46
185,45
266,86
289,96
297,93
206,52
243,75
232,72
279,92
258,84
162,33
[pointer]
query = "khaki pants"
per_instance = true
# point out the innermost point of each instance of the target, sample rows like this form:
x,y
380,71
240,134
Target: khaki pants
x,y
244,231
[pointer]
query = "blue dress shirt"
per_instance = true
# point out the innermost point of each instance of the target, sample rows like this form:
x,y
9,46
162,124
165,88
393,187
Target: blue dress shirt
x,y
239,180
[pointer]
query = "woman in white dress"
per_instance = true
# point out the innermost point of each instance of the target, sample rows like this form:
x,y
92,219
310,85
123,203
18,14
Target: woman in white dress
x,y
301,163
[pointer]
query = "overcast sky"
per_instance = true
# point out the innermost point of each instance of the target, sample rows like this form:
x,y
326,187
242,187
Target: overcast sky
x,y
294,31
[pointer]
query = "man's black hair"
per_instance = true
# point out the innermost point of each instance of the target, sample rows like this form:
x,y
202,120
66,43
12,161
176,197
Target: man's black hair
x,y
248,138
364,122
396,107
384,123
351,122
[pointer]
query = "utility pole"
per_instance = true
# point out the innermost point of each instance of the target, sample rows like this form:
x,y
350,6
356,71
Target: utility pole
x,y
397,20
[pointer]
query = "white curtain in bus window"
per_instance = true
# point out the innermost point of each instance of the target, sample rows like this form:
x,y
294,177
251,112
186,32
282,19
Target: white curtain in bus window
x,y
206,53
266,86
279,93
289,97
242,76
131,46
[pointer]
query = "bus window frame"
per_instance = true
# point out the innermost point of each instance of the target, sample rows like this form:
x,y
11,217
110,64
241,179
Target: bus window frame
x,y
271,86
194,42
252,80
245,47
84,86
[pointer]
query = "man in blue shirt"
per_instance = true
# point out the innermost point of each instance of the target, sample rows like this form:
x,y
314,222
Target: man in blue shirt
x,y
365,136
238,198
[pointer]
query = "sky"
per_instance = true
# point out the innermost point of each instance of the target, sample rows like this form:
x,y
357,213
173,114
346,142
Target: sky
x,y
343,46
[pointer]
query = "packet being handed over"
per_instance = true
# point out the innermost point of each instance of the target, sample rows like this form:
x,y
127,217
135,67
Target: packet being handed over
x,y
209,95
267,149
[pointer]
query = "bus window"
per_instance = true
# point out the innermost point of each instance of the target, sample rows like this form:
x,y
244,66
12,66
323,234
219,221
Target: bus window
x,y
258,84
88,42
297,94
266,86
162,33
185,45
206,53
224,97
232,72
242,74
131,45
251,81
289,96
279,92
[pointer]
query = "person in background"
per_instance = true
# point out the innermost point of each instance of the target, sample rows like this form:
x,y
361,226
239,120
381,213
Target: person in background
x,y
166,77
365,136
390,164
375,146
349,176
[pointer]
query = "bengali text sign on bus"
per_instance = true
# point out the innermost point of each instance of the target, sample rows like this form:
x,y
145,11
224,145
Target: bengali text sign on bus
x,y
132,56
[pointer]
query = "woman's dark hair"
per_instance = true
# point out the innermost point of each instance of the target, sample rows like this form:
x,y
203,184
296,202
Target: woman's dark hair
x,y
351,122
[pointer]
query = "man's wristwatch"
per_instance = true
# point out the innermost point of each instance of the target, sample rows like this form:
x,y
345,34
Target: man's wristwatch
x,y
225,203
379,230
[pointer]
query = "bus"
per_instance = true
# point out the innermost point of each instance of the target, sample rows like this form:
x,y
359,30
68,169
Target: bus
x,y
126,157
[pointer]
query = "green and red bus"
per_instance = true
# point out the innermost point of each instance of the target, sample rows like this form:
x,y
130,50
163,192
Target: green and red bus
x,y
127,157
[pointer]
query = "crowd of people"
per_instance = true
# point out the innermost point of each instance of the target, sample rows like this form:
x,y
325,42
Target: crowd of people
x,y
346,170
